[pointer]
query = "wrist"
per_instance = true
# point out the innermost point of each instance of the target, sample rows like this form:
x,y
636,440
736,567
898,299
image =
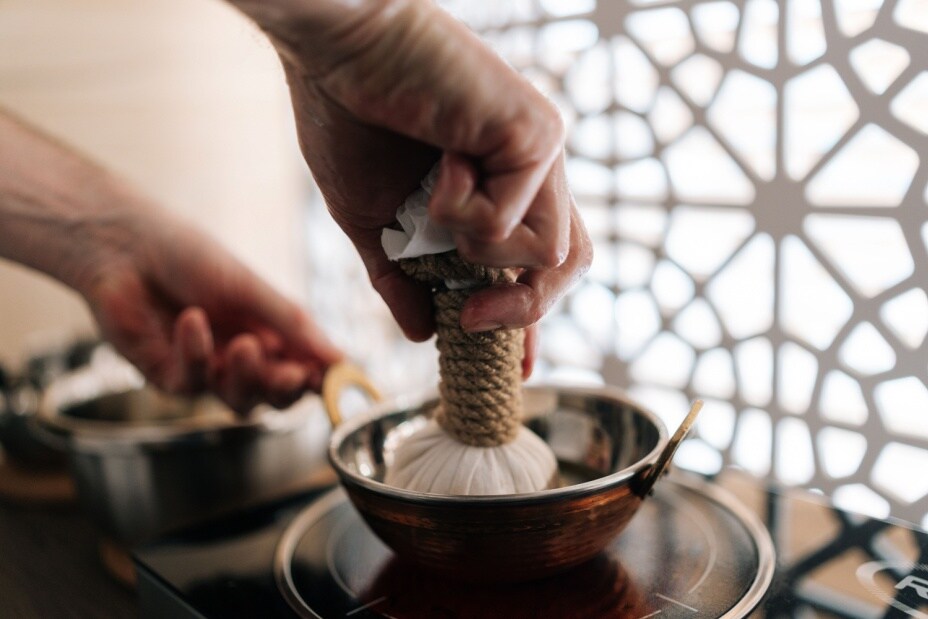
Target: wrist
x,y
100,243
81,247
316,35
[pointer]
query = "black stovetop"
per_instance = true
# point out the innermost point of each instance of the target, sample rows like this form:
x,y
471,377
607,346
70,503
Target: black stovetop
x,y
679,558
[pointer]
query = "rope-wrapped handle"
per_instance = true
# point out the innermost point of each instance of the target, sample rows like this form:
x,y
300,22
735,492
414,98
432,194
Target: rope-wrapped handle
x,y
481,373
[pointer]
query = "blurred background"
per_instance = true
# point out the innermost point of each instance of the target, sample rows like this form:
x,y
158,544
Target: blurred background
x,y
754,174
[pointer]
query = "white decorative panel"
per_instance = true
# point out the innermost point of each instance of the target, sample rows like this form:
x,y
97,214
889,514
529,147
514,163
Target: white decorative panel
x,y
755,177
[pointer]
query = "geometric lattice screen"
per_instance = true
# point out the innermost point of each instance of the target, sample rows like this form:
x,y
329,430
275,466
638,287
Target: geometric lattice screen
x,y
755,177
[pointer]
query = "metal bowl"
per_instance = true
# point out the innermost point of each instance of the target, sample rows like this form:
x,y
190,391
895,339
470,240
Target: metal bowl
x,y
606,447
145,463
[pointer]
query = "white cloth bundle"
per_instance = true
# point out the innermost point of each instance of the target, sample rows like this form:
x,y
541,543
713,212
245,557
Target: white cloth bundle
x,y
431,460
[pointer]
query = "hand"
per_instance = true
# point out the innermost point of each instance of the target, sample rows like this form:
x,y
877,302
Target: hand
x,y
191,317
381,90
172,301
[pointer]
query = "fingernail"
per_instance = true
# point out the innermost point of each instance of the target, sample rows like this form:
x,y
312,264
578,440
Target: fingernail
x,y
444,203
487,325
455,183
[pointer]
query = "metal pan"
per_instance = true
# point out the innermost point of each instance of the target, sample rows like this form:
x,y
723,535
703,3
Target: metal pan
x,y
145,464
610,451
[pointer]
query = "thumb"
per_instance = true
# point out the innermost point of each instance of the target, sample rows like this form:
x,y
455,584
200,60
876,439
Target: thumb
x,y
409,301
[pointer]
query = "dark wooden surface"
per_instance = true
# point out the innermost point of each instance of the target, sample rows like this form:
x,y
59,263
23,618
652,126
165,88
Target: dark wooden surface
x,y
50,567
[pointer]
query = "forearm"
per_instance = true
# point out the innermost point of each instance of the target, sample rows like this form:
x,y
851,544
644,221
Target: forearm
x,y
58,211
313,36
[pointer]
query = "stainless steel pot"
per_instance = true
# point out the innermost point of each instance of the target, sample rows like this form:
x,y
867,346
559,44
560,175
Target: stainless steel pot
x,y
20,392
21,440
145,464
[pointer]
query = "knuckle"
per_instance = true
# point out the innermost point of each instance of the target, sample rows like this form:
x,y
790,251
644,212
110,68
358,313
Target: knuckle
x,y
585,263
554,123
553,255
546,124
492,230
584,257
534,312
442,218
482,220
469,250
444,214
537,134
581,253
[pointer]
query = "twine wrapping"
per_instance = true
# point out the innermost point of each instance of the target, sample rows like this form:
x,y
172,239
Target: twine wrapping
x,y
481,373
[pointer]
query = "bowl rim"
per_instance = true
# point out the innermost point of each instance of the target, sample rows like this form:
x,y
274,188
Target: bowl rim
x,y
599,484
106,435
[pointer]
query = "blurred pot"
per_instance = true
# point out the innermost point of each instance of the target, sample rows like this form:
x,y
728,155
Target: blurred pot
x,y
145,463
20,437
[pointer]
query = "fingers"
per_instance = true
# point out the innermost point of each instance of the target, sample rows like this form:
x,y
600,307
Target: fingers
x,y
281,355
457,180
192,348
460,203
247,375
524,302
244,349
298,330
284,383
314,340
525,248
239,382
295,329
461,98
515,171
242,374
539,239
531,351
138,329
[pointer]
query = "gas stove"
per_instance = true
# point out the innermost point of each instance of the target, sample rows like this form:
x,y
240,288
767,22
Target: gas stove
x,y
726,547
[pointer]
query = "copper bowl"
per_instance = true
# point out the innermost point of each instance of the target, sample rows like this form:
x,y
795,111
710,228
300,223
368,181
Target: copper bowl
x,y
607,447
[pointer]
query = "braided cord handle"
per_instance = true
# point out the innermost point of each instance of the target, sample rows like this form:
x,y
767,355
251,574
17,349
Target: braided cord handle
x,y
481,373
